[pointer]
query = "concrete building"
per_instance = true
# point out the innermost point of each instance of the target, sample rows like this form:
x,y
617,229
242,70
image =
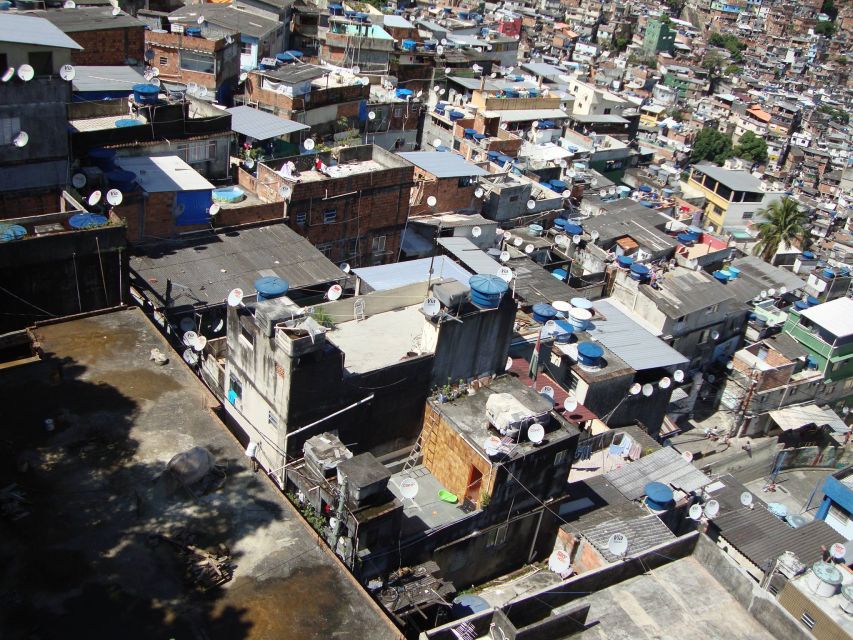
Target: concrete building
x,y
37,107
445,178
823,614
591,100
733,196
836,508
658,37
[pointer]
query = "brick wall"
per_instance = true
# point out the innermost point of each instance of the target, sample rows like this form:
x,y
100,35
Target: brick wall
x,y
450,459
449,195
232,216
109,46
167,57
29,203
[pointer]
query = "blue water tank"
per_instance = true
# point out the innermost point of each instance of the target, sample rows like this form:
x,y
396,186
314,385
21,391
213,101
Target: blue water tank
x,y
560,223
469,133
270,287
801,305
453,115
535,229
123,123
87,221
542,312
808,255
403,93
659,497
640,272
625,261
581,303
486,290
812,300
193,32
558,185
686,239
439,109
589,354
409,45
292,55
573,229
734,272
829,273
144,93
560,274
721,276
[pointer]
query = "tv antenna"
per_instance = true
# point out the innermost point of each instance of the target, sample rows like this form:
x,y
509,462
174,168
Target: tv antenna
x,y
505,274
213,210
199,344
308,144
746,499
559,562
432,201
94,198
190,338
235,297
695,512
26,72
712,508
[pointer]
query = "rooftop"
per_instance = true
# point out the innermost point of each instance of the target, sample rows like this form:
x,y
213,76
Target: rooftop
x,y
34,30
391,276
228,16
835,316
294,73
757,276
119,419
683,291
665,466
443,165
470,255
162,174
526,115
628,218
95,78
736,180
830,606
208,265
261,125
89,19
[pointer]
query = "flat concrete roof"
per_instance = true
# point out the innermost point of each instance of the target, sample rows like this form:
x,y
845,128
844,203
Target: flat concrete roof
x,y
98,499
380,340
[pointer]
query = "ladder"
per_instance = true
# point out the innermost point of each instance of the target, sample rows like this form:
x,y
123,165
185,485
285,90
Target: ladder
x,y
432,419
358,310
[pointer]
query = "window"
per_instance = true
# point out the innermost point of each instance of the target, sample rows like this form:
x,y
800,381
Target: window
x,y
9,128
325,249
199,151
235,389
272,419
164,61
197,61
246,48
496,536
329,216
301,217
807,620
352,247
513,199
378,244
246,336
746,215
560,457
41,62
703,337
607,112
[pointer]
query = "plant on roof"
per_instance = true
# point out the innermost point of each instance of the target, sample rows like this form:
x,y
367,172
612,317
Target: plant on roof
x,y
782,225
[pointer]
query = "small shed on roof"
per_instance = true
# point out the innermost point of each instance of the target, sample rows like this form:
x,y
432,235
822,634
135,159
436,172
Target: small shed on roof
x,y
261,125
391,276
443,165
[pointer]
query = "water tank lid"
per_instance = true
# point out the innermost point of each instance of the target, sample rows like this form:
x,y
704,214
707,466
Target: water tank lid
x,y
808,255
144,87
488,285
271,286
558,222
535,228
558,184
544,309
795,520
590,350
828,573
658,492
87,221
812,300
640,269
581,303
625,261
801,304
580,314
572,229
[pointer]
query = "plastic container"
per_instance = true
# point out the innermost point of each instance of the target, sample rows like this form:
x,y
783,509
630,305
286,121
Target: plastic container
x,y
228,194
144,93
487,290
659,497
624,262
271,287
589,354
9,232
579,319
543,312
640,272
581,303
573,229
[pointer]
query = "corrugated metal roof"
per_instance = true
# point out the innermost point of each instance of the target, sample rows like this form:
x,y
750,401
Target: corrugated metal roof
x,y
397,22
792,418
391,276
261,125
665,466
682,291
161,174
642,533
757,276
89,19
835,316
534,283
120,78
443,165
630,341
470,255
33,30
212,264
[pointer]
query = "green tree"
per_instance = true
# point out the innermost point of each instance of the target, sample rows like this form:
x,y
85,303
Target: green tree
x,y
825,28
829,9
711,145
732,70
837,114
782,225
752,148
728,42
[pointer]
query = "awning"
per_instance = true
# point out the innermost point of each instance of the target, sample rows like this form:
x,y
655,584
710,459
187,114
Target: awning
x,y
261,125
793,418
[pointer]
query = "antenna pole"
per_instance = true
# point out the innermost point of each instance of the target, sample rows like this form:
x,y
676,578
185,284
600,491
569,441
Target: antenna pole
x,y
432,257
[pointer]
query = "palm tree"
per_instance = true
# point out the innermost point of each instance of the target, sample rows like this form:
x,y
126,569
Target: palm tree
x,y
783,225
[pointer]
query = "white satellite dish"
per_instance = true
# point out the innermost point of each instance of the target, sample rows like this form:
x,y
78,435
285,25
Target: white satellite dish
x,y
561,240
8,74
356,70
200,20
308,144
155,71
78,180
439,50
547,390
431,306
437,143
155,82
190,338
200,343
244,76
371,115
635,389
476,232
190,357
21,139
531,204
665,383
344,266
617,544
432,201
536,433
576,239
478,192
505,274
67,73
711,377
69,4
648,390
192,87
202,91
771,292
687,455
443,41
504,257
517,241
284,191
419,94
334,292
250,163
783,291
436,88
114,197
214,209
219,325
507,235
235,298
116,11
678,376
26,72
570,404
764,294
559,562
566,194
715,335
695,512
409,488
712,508
594,235
94,198
529,249
508,364
333,522
838,551
746,498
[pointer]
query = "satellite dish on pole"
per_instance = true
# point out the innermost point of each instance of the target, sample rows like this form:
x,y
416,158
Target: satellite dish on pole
x,y
476,232
570,404
505,274
617,544
648,390
547,391
746,498
431,306
334,292
235,297
308,144
687,455
529,249
190,338
114,197
665,383
8,74
559,562
21,139
838,551
478,192
66,72
531,204
695,512
432,201
213,210
536,433
344,266
190,357
200,343
200,20
504,257
371,115
94,198
678,376
517,242
285,191
635,389
712,508
26,72
409,488
78,180
436,143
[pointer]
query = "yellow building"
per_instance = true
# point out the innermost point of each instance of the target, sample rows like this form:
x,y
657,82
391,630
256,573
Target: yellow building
x,y
733,196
